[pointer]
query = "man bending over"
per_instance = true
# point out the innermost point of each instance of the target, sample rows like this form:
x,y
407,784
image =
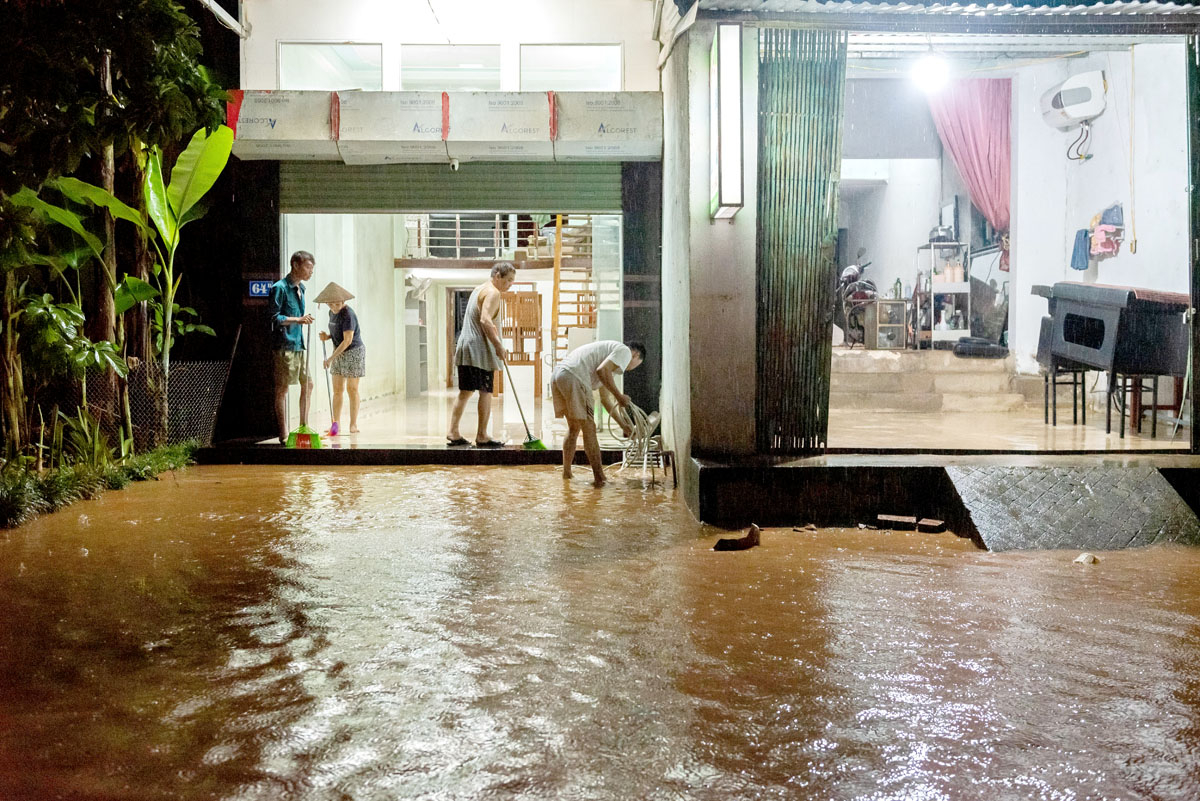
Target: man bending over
x,y
576,377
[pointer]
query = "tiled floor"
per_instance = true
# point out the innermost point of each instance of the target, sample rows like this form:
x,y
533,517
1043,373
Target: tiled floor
x,y
391,422
1022,430
421,422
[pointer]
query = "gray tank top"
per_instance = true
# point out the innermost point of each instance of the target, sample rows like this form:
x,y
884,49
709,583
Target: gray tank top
x,y
473,347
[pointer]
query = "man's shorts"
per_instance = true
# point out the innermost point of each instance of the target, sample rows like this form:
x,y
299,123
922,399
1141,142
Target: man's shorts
x,y
572,399
289,365
472,379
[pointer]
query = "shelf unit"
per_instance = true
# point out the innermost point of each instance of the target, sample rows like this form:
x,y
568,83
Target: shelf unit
x,y
931,297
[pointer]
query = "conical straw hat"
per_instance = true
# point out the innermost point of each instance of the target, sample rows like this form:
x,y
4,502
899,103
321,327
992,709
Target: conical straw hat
x,y
333,294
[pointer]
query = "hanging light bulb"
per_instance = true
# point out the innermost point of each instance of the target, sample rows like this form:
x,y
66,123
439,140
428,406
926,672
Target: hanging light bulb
x,y
931,73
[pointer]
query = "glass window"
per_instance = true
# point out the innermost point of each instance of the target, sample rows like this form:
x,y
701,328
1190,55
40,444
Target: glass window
x,y
330,67
571,68
450,68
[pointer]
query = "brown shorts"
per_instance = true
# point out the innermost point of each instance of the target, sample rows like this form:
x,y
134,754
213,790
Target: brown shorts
x,y
289,365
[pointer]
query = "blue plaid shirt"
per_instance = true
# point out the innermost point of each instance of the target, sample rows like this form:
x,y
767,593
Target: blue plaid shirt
x,y
287,300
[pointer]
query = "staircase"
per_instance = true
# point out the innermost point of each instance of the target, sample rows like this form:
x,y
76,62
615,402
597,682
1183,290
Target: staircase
x,y
920,381
582,285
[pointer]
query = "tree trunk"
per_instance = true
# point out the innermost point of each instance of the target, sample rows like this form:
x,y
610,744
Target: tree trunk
x,y
12,394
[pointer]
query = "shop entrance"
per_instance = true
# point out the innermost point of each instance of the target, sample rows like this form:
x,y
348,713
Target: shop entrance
x,y
978,173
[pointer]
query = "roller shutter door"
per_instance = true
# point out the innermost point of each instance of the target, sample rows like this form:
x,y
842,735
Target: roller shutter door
x,y
333,187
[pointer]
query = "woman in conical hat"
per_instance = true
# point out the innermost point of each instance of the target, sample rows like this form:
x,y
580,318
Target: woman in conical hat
x,y
348,362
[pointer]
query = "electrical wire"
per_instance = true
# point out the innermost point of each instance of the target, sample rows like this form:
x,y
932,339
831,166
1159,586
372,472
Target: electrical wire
x,y
1081,142
1132,133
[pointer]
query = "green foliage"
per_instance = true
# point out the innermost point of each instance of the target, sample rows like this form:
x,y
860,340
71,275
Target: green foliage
x,y
86,442
131,291
27,198
53,344
19,497
143,466
185,320
52,68
88,194
58,488
25,493
170,207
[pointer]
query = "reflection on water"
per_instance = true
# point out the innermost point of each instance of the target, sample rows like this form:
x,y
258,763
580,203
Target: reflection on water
x,y
449,633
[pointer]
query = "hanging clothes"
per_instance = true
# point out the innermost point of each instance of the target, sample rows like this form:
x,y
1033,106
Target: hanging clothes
x,y
1079,255
1106,240
1113,215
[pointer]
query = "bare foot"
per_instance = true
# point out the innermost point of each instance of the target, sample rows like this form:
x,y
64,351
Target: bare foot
x,y
353,429
600,481
566,474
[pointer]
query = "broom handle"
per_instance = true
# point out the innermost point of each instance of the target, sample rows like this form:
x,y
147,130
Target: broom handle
x,y
328,388
517,398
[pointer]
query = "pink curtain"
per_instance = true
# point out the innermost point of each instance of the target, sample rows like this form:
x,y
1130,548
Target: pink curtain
x,y
972,121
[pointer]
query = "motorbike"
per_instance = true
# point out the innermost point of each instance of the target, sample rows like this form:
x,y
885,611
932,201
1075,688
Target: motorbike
x,y
853,295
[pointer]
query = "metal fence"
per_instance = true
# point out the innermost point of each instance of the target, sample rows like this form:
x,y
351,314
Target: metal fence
x,y
196,389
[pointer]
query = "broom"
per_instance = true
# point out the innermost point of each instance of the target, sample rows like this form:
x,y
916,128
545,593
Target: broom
x,y
531,444
305,437
333,424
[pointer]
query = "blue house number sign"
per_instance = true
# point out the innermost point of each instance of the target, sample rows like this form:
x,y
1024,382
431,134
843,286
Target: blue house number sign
x,y
260,289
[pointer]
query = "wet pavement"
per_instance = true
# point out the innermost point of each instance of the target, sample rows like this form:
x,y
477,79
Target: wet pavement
x,y
460,633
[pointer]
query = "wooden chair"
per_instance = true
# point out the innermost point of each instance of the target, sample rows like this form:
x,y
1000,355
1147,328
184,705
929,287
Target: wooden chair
x,y
521,328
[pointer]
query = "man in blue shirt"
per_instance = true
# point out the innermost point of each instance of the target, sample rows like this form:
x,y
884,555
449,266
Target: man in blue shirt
x,y
288,319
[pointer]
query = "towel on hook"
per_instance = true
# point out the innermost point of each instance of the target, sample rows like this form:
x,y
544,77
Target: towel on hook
x,y
1079,255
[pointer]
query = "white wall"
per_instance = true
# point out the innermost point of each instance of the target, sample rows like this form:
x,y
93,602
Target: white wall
x,y
675,402
355,250
1053,197
891,221
395,22
722,268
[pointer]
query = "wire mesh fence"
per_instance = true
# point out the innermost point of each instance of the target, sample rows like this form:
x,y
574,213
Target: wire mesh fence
x,y
196,389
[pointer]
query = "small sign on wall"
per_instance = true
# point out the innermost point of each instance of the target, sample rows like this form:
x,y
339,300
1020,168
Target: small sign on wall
x,y
260,289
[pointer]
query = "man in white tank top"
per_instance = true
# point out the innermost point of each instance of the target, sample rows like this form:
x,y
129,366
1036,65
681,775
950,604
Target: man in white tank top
x,y
479,353
575,378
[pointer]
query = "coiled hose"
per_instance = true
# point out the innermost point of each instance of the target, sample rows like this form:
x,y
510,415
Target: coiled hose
x,y
639,442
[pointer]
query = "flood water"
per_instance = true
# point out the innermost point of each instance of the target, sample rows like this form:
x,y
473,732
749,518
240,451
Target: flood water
x,y
467,633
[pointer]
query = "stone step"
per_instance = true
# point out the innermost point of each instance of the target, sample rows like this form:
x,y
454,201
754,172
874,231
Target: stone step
x,y
906,383
886,401
982,401
995,382
950,402
858,360
921,382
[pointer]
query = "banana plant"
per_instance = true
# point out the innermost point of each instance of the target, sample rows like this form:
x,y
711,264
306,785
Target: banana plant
x,y
172,206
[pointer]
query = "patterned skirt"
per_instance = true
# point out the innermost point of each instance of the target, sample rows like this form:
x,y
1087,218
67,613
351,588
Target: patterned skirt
x,y
352,363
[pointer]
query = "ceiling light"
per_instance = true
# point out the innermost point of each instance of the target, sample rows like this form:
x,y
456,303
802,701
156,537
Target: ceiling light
x,y
931,73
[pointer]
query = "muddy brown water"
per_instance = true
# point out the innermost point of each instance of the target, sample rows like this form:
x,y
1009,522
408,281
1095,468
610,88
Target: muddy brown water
x,y
463,633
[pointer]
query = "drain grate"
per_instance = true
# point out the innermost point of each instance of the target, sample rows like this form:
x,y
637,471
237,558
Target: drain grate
x,y
1089,508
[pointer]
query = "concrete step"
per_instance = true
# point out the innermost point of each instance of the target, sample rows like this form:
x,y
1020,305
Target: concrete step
x,y
982,401
921,382
886,401
906,383
994,382
951,402
858,360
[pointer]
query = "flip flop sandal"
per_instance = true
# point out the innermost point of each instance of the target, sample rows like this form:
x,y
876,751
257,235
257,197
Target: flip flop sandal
x,y
457,443
491,443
